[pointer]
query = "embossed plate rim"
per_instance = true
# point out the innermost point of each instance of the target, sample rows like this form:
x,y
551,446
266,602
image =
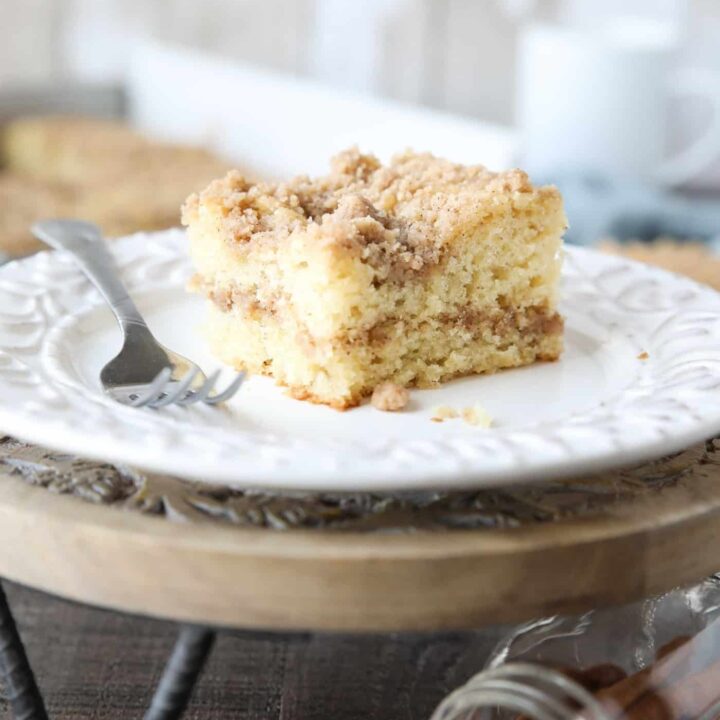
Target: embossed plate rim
x,y
673,401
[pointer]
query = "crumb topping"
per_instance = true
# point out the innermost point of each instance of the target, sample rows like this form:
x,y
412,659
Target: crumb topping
x,y
390,397
396,217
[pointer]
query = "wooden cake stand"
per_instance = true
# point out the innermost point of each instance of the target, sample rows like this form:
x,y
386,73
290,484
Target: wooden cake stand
x,y
216,557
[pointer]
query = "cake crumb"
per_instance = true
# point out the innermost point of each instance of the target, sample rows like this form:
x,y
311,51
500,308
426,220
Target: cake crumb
x,y
444,413
390,397
643,356
477,415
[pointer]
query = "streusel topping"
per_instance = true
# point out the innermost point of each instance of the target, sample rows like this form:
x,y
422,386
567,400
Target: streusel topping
x,y
397,217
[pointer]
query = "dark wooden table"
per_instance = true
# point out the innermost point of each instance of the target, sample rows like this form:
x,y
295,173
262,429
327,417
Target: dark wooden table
x,y
104,665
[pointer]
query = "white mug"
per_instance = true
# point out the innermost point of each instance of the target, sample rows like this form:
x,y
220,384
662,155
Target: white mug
x,y
598,100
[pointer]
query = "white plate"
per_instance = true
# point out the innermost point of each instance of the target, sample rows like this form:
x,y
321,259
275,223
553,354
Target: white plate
x,y
599,406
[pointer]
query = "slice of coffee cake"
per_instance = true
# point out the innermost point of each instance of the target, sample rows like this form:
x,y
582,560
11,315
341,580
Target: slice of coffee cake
x,y
412,273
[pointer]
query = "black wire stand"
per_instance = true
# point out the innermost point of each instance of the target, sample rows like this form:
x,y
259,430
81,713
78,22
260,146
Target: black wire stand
x,y
171,697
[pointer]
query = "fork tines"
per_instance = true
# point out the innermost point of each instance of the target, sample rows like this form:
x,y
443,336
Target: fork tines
x,y
163,391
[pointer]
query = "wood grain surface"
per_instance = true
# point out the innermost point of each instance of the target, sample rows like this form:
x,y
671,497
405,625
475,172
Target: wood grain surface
x,y
589,543
97,665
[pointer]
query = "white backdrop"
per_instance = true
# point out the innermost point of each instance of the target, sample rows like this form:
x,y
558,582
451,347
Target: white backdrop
x,y
456,55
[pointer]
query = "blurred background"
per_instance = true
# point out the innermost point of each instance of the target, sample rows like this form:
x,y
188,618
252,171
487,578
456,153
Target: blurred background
x,y
456,55
618,102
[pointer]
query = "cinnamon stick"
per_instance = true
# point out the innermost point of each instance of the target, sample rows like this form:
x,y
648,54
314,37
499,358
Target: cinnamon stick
x,y
684,681
673,645
601,676
592,679
595,677
623,694
686,698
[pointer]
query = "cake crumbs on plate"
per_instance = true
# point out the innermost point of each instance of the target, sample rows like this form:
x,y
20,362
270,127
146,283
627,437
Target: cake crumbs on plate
x,y
477,415
643,355
443,413
390,397
474,415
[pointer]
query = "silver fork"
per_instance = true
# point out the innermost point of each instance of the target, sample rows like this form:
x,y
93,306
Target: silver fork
x,y
144,372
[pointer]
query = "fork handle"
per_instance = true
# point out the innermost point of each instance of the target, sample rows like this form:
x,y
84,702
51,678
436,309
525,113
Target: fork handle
x,y
84,242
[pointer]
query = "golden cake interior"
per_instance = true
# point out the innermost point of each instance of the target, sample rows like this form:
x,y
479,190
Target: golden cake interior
x,y
413,272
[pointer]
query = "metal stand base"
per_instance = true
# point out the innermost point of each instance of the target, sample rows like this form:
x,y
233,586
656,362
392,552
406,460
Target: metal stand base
x,y
181,673
23,694
171,696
